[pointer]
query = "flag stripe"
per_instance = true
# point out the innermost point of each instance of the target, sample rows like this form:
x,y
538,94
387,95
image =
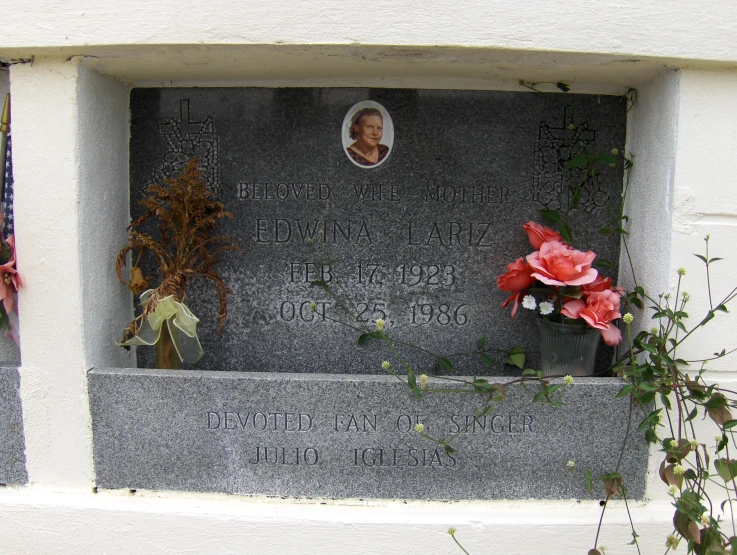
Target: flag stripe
x,y
8,200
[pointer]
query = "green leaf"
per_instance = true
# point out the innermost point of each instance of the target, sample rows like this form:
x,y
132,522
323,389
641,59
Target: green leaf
x,y
605,231
722,308
603,264
723,443
726,469
714,259
572,291
700,257
646,398
449,449
483,385
563,87
729,424
551,216
481,343
486,359
442,361
606,158
566,233
412,379
529,372
716,401
576,199
580,160
553,388
692,415
516,357
366,336
623,392
589,481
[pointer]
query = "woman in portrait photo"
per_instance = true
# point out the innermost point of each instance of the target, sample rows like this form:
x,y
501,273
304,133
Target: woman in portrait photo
x,y
367,130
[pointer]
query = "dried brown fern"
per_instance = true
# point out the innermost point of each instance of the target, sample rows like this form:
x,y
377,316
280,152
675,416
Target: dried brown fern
x,y
187,214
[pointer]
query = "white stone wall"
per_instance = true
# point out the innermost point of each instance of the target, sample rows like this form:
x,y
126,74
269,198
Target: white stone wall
x,y
70,133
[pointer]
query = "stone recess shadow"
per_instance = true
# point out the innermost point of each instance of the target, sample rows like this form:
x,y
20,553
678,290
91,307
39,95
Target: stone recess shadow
x,y
347,436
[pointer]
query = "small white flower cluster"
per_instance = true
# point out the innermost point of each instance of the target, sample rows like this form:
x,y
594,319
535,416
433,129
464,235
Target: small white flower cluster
x,y
672,542
530,303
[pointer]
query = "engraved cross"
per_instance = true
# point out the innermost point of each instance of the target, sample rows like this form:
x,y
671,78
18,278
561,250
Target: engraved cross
x,y
564,133
188,127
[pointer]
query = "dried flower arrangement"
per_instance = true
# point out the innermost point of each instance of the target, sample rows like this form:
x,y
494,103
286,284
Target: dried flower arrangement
x,y
187,214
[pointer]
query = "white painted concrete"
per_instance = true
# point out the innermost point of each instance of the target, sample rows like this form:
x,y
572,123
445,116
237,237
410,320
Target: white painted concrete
x,y
47,196
705,203
41,523
626,27
652,134
103,133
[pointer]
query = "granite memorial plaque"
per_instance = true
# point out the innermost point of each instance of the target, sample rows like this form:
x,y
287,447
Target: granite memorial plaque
x,y
322,435
12,440
415,234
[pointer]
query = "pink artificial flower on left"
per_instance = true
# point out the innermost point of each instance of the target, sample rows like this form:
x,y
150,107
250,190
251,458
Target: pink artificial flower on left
x,y
10,280
516,279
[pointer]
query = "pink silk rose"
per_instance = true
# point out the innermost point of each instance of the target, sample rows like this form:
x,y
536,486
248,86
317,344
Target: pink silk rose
x,y
599,284
517,278
598,311
10,279
558,264
538,234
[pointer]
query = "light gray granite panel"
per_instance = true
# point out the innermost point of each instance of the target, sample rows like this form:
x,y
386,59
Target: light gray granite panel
x,y
347,436
12,441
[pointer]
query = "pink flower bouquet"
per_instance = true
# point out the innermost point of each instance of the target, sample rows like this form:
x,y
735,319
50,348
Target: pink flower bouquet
x,y
559,282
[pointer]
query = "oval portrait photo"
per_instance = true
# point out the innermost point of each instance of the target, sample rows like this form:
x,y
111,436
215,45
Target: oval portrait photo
x,y
368,134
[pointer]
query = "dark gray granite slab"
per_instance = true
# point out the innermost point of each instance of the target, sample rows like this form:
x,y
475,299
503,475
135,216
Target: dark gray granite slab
x,y
12,441
320,435
418,240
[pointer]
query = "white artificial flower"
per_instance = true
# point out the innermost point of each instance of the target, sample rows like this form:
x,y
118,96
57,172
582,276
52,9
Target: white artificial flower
x,y
529,302
546,308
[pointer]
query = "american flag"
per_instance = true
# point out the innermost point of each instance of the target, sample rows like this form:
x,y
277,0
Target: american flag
x,y
8,199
